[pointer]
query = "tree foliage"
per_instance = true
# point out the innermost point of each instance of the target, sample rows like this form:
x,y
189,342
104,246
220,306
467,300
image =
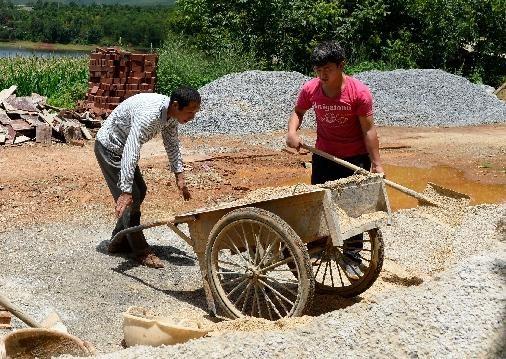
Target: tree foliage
x,y
461,36
93,24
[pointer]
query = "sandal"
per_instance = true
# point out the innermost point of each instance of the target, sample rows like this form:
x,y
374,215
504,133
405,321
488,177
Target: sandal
x,y
119,246
150,260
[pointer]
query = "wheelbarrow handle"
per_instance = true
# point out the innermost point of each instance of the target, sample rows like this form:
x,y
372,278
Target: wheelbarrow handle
x,y
355,168
168,222
4,302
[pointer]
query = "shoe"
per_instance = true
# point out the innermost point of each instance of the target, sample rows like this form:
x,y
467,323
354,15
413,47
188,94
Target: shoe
x,y
119,246
149,259
363,267
351,269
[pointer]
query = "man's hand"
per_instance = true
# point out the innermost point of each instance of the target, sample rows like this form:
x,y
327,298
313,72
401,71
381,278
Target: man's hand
x,y
124,201
293,140
181,185
377,168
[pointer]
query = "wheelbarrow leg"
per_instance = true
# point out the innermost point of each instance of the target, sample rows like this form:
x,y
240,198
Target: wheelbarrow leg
x,y
211,307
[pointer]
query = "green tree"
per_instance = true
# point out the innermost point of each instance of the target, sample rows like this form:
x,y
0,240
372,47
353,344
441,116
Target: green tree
x,y
461,36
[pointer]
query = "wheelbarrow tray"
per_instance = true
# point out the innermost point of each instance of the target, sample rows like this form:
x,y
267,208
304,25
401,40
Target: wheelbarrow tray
x,y
339,209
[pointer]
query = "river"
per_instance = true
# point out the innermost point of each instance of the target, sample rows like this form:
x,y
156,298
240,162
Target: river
x,y
23,52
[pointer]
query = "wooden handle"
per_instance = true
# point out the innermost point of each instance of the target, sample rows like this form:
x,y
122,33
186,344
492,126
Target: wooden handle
x,y
4,302
351,166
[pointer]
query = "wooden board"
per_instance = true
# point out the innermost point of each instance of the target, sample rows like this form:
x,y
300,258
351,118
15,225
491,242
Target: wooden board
x,y
22,103
48,118
21,139
20,125
71,131
4,94
86,134
11,134
4,119
43,134
33,120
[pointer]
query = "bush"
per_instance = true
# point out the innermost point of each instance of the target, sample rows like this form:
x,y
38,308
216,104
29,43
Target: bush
x,y
181,63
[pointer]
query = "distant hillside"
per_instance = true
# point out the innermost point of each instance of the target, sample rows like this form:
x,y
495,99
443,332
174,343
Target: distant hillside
x,y
104,2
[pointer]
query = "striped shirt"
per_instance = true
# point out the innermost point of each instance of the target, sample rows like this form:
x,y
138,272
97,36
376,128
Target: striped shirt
x,y
134,122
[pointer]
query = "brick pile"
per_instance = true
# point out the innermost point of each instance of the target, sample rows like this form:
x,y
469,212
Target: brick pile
x,y
5,318
116,75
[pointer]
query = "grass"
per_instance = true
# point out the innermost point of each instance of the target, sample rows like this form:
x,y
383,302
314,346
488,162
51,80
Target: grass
x,y
62,80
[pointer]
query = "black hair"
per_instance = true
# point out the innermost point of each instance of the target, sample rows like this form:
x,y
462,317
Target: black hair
x,y
327,51
184,95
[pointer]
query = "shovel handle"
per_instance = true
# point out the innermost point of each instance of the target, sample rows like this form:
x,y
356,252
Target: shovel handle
x,y
351,166
4,302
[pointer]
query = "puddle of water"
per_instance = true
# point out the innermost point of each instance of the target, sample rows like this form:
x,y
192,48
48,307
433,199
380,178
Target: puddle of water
x,y
417,178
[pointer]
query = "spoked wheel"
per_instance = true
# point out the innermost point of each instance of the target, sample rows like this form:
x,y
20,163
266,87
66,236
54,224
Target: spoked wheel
x,y
336,273
247,266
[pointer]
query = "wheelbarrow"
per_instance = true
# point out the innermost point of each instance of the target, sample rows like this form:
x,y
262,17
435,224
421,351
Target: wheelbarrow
x,y
266,254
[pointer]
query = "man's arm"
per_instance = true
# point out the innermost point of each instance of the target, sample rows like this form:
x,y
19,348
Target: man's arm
x,y
371,142
171,144
292,138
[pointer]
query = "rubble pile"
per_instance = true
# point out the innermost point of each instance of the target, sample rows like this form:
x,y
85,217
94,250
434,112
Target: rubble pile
x,y
116,75
29,118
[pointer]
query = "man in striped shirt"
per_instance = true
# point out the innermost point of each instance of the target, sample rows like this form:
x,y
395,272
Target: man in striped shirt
x,y
117,148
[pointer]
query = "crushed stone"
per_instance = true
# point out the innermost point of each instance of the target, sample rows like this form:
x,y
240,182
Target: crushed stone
x,y
455,308
427,97
255,102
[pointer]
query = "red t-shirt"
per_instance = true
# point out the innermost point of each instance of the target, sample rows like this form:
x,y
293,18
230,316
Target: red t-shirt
x,y
338,130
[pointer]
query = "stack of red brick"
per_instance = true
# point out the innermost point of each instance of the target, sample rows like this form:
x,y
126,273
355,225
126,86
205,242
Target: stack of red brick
x,y
116,75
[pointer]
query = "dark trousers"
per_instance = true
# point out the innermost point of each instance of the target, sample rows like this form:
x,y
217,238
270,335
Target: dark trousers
x,y
324,170
110,164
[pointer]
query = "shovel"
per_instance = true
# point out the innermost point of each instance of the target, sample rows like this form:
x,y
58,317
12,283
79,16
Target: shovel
x,y
48,335
52,321
434,195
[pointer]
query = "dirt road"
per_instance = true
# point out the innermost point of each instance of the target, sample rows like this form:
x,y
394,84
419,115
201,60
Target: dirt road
x,y
47,183
56,215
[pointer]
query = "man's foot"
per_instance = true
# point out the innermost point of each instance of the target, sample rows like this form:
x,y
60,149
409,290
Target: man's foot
x,y
119,246
351,269
149,259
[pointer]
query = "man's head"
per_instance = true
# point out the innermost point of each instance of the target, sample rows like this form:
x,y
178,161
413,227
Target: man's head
x,y
184,104
328,60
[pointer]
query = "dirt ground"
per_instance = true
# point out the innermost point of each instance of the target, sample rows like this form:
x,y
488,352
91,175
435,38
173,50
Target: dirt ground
x,y
45,183
55,196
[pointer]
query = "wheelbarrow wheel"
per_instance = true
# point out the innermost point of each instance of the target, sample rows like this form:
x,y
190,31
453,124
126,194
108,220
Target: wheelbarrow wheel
x,y
247,258
336,273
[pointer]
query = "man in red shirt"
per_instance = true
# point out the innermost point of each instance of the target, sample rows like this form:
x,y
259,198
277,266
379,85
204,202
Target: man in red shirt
x,y
344,125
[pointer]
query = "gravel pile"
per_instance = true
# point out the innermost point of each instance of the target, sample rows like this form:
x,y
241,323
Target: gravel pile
x,y
262,101
432,245
248,102
456,312
430,98
458,316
